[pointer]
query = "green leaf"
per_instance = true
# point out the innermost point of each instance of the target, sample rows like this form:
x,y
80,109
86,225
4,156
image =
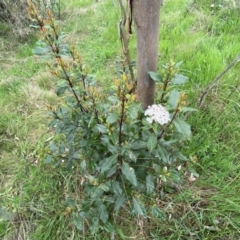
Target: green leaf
x,y
139,145
78,222
112,171
163,154
193,171
173,98
53,147
86,205
112,149
62,83
103,213
42,50
137,208
132,110
61,90
113,99
152,142
114,137
150,183
117,188
96,193
104,187
91,122
112,117
71,202
188,109
178,64
48,159
182,127
129,173
119,202
156,212
179,79
155,77
132,156
107,163
83,165
101,128
108,227
157,168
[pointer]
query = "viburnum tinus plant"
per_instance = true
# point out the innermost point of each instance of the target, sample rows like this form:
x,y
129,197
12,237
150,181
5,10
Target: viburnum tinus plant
x,y
124,153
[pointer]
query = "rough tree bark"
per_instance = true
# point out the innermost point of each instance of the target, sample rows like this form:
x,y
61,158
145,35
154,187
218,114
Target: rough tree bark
x,y
146,17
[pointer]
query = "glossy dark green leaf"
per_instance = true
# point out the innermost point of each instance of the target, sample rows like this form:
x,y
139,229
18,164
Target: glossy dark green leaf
x,y
133,110
152,142
86,206
112,171
48,159
42,50
156,212
112,118
101,128
178,64
188,109
157,168
104,187
139,145
155,76
173,98
150,183
107,163
103,212
70,202
179,79
61,90
96,193
78,222
119,202
113,148
62,83
137,208
129,173
53,147
117,188
113,99
163,154
182,127
114,138
132,156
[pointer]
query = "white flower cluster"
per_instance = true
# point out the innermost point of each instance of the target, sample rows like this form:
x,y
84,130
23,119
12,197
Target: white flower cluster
x,y
157,113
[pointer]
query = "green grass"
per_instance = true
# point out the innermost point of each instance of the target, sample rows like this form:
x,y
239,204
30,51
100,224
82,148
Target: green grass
x,y
206,39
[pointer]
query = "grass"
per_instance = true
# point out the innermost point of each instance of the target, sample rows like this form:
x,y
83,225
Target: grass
x,y
207,40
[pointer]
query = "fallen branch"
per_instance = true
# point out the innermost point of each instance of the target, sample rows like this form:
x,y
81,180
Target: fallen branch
x,y
209,87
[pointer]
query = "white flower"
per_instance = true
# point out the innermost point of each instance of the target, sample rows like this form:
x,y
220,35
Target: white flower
x,y
157,113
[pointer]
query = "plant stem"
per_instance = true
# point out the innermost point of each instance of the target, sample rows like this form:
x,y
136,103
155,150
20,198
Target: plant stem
x,y
121,120
174,115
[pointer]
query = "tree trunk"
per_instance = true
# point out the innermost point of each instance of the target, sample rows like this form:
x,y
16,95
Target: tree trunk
x,y
146,18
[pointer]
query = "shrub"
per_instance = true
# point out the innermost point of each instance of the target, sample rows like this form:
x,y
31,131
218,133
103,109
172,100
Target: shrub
x,y
125,154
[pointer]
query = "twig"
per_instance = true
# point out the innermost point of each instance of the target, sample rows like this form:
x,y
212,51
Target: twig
x,y
233,90
124,37
209,87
